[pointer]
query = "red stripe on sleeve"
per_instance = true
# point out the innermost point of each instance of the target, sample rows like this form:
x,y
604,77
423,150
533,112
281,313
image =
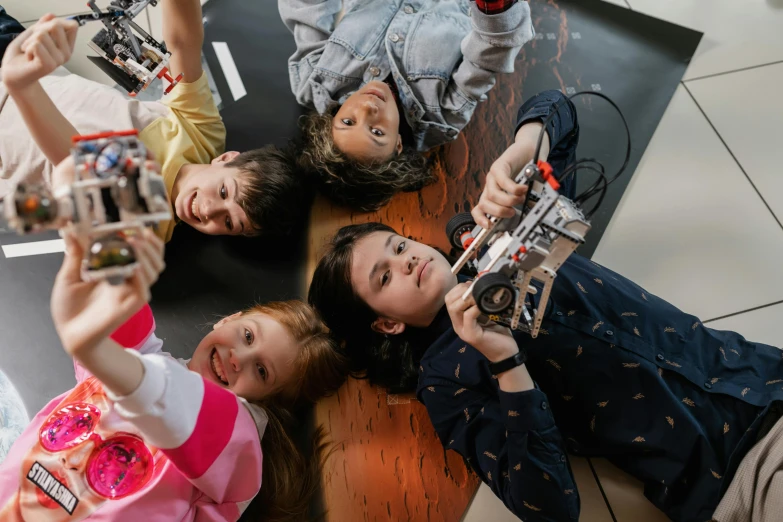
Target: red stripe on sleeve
x,y
136,330
213,430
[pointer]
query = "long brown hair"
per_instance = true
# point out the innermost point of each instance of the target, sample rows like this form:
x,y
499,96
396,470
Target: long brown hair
x,y
291,477
388,361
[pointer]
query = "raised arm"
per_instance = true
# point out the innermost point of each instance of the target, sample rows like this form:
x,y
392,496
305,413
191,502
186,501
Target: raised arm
x,y
92,317
32,55
558,146
488,50
183,33
312,23
199,426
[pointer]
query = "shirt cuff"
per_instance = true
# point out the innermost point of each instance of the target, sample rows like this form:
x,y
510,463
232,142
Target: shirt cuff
x,y
502,28
183,91
144,399
526,411
494,6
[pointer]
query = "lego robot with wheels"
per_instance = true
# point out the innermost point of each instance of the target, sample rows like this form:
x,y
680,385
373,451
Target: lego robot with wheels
x,y
117,191
128,54
515,252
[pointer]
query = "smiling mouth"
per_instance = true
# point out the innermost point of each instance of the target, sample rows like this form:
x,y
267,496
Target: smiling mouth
x,y
422,267
217,367
194,208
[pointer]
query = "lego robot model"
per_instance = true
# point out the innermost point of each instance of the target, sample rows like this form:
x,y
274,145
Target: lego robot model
x,y
117,191
515,252
130,56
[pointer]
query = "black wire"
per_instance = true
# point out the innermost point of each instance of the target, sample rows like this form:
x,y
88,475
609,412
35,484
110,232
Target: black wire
x,y
599,186
575,166
602,183
601,190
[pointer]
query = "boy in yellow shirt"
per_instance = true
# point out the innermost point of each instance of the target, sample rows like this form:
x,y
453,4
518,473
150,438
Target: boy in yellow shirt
x,y
215,192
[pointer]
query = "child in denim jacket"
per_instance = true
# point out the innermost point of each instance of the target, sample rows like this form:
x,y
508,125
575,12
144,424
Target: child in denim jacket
x,y
392,79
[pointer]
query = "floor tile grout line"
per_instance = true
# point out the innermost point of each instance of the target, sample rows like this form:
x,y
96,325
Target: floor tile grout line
x,y
601,489
742,312
775,217
733,71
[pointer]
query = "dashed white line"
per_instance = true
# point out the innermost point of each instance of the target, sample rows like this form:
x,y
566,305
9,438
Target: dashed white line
x,y
230,70
35,248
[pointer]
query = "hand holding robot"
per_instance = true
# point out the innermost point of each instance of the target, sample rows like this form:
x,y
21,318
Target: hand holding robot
x,y
109,189
541,228
128,54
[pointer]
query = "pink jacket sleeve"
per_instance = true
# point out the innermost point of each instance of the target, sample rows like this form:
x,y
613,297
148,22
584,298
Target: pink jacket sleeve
x,y
201,427
136,334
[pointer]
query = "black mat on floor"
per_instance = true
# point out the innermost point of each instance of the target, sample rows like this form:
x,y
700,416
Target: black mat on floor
x,y
634,59
206,277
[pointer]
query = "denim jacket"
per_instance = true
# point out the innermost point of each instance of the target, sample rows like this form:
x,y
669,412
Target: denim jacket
x,y
442,54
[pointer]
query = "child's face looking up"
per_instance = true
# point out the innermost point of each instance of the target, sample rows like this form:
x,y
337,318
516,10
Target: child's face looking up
x,y
403,281
252,355
206,197
367,126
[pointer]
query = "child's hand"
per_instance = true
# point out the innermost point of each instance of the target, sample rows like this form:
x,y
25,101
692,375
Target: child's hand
x,y
38,51
501,193
85,313
493,341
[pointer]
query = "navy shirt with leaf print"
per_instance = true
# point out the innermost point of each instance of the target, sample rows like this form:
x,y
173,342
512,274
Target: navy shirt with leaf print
x,y
619,374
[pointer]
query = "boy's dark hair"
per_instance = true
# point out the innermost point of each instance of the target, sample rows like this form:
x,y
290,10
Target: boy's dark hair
x,y
275,196
364,187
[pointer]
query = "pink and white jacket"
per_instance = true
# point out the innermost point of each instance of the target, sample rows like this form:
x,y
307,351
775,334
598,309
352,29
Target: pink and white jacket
x,y
203,447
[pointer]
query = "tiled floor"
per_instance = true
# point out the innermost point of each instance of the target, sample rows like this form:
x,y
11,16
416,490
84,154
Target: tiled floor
x,y
700,224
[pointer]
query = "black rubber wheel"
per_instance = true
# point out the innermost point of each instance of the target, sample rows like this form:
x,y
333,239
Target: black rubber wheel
x,y
115,280
110,251
458,225
493,293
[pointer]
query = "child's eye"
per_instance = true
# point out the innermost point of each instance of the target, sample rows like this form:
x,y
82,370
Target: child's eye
x,y
377,132
262,371
384,278
347,122
248,336
223,192
401,247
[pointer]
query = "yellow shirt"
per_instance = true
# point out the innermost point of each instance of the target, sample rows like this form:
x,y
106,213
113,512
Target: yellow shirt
x,y
192,132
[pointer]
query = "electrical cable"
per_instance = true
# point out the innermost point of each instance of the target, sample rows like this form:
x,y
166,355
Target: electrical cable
x,y
602,183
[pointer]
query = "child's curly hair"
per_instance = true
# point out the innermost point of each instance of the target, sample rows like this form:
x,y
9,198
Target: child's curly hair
x,y
364,187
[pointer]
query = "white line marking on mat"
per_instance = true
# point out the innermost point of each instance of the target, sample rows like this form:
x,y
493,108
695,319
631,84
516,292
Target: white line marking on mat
x,y
35,248
229,70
